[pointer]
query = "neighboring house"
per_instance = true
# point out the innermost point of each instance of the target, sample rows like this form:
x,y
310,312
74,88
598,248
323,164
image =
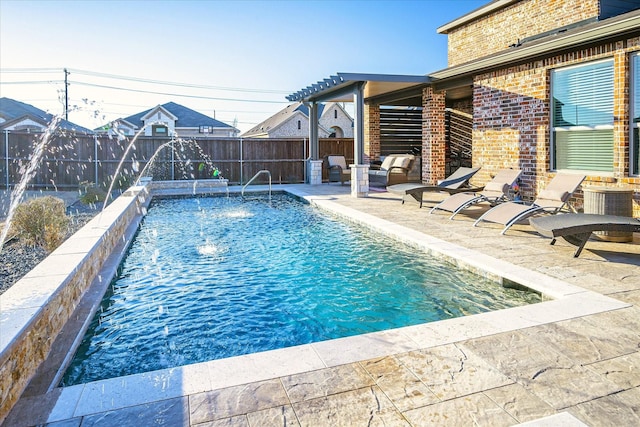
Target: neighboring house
x,y
20,117
173,119
293,122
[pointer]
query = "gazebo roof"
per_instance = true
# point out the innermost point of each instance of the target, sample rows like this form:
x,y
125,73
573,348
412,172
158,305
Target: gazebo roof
x,y
341,87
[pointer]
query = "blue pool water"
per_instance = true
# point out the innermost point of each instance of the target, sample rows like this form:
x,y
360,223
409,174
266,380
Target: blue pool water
x,y
208,278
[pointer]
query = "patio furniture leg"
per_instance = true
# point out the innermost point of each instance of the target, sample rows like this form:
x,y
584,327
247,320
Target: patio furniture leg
x,y
578,240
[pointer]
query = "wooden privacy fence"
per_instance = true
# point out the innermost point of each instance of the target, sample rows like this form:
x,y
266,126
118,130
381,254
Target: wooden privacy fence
x,y
69,160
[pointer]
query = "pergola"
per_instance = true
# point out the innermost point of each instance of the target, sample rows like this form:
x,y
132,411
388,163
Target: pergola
x,y
360,89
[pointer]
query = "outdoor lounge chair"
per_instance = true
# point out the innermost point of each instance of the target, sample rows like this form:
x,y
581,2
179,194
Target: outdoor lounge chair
x,y
337,168
495,191
455,183
577,228
393,170
550,200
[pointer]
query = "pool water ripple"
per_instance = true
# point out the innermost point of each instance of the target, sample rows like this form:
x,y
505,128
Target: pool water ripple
x,y
208,278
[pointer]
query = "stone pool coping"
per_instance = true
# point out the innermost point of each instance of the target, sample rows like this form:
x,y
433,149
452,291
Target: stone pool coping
x,y
569,301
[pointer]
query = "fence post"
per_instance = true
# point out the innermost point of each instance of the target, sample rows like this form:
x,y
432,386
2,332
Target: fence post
x,y
95,159
241,163
6,156
305,177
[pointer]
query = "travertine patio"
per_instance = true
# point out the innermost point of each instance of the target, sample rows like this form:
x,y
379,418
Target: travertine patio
x,y
576,358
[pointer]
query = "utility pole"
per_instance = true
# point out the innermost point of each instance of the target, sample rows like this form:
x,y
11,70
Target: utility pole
x,y
66,95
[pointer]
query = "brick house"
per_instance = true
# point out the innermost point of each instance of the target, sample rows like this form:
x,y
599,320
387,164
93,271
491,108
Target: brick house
x,y
293,122
546,85
551,86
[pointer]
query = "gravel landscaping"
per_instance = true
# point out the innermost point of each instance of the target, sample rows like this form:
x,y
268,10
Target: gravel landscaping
x,y
17,259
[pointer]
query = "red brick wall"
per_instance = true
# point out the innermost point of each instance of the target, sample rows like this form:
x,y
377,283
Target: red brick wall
x,y
497,31
512,119
371,132
433,135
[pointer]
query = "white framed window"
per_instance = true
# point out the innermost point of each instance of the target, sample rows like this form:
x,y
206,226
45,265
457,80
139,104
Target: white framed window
x,y
582,117
634,155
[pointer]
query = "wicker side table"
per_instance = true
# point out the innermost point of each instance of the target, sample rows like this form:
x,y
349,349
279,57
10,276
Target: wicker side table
x,y
610,201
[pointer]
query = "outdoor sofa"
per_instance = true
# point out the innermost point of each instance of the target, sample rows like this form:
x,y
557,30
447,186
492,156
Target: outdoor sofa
x,y
393,170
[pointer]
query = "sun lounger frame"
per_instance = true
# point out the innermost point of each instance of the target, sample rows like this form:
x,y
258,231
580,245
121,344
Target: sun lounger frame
x,y
576,229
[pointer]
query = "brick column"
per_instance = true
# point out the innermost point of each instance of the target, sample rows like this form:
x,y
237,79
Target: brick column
x,y
621,140
433,135
371,132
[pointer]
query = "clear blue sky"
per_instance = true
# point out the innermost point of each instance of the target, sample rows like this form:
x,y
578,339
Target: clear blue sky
x,y
243,57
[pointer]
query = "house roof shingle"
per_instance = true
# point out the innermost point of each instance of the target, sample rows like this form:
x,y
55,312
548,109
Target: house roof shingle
x,y
10,110
187,118
280,117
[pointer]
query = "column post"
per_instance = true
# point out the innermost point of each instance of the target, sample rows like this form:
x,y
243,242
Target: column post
x,y
312,167
315,172
359,180
371,132
433,135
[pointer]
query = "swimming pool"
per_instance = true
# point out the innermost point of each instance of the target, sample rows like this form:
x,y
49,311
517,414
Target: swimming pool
x,y
209,278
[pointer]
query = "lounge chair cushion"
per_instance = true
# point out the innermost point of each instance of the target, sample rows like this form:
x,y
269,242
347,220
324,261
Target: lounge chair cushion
x,y
337,161
387,162
553,195
402,162
497,186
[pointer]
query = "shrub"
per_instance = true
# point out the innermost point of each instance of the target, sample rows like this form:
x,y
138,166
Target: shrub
x,y
41,221
91,193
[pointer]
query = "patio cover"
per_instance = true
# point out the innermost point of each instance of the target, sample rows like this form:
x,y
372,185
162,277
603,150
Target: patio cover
x,y
356,88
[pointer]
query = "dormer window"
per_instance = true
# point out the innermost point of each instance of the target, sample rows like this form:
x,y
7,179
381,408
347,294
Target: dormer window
x,y
159,130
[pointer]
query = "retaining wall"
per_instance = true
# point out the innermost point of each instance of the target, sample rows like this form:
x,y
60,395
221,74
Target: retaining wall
x,y
35,309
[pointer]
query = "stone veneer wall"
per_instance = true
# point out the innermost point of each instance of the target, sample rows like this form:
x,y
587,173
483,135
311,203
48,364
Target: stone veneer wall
x,y
512,119
497,31
35,309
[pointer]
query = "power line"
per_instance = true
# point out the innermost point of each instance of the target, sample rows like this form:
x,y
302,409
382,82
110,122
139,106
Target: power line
x,y
175,94
34,82
205,109
166,83
139,80
30,70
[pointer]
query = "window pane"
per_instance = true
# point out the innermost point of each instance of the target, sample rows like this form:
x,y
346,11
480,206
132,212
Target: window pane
x,y
583,96
584,150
